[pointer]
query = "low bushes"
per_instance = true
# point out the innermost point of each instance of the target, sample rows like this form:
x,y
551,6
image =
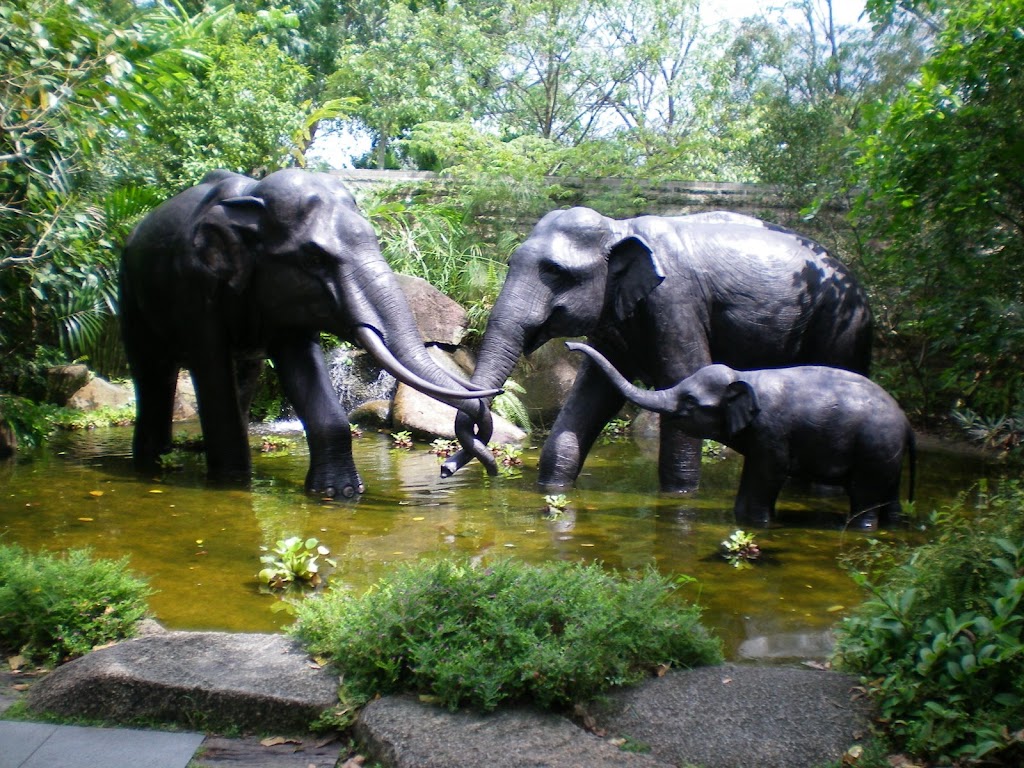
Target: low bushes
x,y
479,636
53,608
940,643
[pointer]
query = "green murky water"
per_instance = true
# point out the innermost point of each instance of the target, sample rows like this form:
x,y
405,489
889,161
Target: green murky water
x,y
200,546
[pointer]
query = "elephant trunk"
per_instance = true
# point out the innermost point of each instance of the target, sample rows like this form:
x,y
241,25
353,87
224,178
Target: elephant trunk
x,y
386,327
659,401
502,346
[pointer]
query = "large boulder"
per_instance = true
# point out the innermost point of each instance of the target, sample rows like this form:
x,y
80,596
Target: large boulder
x,y
62,381
424,416
100,393
402,732
440,319
547,376
186,406
214,680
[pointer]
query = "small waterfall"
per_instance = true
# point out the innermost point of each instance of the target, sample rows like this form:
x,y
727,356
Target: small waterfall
x,y
357,378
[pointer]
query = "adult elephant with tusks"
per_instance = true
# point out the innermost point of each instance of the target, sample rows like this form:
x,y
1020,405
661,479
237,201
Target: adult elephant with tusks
x,y
662,297
234,270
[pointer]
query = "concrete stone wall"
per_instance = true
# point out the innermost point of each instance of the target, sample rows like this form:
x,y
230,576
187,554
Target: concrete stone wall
x,y
670,198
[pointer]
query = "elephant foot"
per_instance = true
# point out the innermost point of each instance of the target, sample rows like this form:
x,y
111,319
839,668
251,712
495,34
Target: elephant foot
x,y
347,491
755,518
334,489
680,488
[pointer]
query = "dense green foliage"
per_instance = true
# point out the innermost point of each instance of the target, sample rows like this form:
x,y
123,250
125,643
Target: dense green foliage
x,y
476,636
943,200
940,642
54,608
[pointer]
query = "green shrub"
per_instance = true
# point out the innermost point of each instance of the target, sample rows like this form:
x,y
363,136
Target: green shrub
x,y
478,636
941,641
54,608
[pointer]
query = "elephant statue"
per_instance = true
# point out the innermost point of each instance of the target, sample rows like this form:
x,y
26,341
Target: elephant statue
x,y
234,270
663,297
810,421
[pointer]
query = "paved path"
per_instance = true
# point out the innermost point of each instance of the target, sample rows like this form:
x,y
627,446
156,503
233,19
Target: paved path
x,y
40,745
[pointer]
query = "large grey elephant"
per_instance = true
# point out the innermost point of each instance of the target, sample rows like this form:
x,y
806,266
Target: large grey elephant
x,y
808,421
663,297
234,270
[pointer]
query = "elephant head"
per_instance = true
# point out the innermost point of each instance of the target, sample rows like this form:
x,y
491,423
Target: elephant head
x,y
577,271
713,403
304,258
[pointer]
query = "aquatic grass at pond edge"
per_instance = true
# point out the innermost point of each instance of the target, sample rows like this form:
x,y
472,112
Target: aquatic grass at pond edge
x,y
479,635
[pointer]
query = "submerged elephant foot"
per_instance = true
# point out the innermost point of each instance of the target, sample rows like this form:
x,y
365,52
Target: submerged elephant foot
x,y
333,490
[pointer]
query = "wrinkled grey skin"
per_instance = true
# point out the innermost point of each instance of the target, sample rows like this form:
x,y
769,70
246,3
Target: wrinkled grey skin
x,y
662,298
232,271
812,422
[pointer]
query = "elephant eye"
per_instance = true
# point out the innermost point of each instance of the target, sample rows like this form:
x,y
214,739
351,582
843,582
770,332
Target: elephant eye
x,y
557,273
314,256
688,404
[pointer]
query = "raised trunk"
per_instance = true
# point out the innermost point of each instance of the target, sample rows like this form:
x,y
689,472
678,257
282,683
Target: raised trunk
x,y
659,401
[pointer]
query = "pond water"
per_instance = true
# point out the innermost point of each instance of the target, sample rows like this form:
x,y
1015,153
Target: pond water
x,y
200,546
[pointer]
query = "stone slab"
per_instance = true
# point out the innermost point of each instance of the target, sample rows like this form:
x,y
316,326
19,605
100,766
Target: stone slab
x,y
403,732
202,680
35,745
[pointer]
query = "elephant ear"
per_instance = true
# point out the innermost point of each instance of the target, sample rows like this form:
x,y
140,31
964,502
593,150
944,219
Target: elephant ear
x,y
633,272
222,236
740,405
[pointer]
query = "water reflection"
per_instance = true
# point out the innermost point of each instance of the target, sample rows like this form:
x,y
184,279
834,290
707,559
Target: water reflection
x,y
200,546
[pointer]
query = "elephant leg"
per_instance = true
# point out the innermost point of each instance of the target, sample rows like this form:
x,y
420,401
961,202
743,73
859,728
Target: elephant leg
x,y
591,404
874,499
155,381
303,373
247,378
760,485
678,458
225,428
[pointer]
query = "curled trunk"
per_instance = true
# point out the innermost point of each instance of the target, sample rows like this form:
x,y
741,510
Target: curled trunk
x,y
503,343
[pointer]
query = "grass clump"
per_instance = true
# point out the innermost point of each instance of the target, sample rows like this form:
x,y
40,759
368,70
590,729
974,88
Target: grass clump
x,y
940,642
479,636
56,607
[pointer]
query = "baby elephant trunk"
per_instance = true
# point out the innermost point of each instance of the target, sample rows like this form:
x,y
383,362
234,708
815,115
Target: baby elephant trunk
x,y
659,401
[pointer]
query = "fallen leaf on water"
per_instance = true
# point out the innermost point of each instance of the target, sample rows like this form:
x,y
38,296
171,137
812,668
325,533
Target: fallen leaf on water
x,y
419,518
155,490
85,519
273,741
95,494
835,608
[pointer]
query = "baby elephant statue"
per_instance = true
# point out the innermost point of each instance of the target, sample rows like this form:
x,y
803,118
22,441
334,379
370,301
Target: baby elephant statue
x,y
813,422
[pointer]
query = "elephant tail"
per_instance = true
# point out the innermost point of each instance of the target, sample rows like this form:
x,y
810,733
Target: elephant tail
x,y
912,453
